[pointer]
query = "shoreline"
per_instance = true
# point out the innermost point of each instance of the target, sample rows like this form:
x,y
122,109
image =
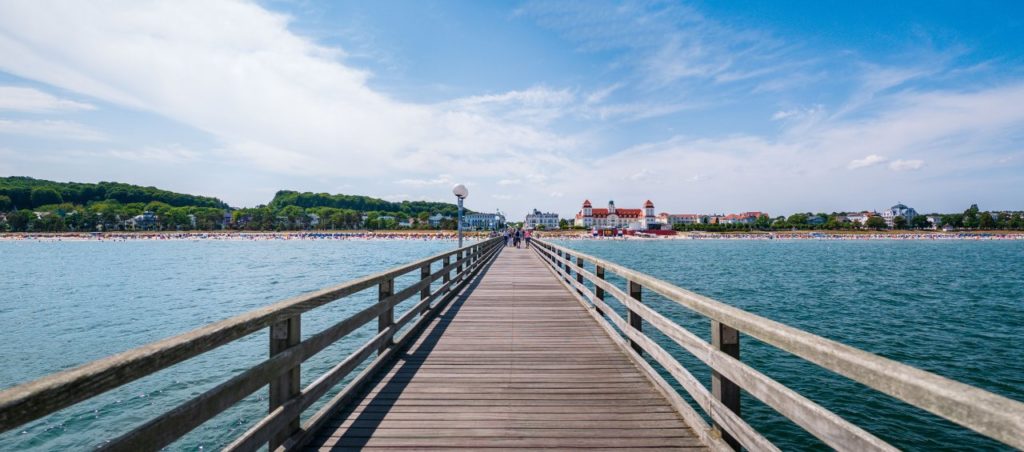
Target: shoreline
x,y
473,236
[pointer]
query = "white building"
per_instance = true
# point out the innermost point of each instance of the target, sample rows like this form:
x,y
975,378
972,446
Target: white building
x,y
861,217
484,221
436,219
673,219
615,218
545,220
899,210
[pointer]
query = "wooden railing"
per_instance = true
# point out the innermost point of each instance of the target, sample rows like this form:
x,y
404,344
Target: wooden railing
x,y
991,415
281,427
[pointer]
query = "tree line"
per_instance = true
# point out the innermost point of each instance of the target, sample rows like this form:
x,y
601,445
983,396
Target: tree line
x,y
33,205
28,193
972,218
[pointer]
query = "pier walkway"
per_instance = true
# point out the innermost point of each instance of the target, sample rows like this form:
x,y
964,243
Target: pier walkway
x,y
497,347
517,361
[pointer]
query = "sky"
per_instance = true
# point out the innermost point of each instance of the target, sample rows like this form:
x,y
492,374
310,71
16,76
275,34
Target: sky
x,y
701,107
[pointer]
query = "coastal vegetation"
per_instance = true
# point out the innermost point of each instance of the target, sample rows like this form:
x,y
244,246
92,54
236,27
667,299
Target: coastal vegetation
x,y
972,218
35,205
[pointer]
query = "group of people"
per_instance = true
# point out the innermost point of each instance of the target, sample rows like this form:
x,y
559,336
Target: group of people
x,y
515,237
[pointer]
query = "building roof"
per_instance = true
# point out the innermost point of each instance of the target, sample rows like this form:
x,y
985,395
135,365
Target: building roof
x,y
649,204
586,203
624,213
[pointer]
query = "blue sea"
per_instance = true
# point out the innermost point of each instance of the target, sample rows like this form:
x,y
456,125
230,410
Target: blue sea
x,y
953,308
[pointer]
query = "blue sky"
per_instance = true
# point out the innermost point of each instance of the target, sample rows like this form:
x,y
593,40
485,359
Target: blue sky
x,y
699,106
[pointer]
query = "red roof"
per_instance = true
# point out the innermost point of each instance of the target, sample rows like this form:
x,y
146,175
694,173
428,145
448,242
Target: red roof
x,y
622,213
586,203
649,204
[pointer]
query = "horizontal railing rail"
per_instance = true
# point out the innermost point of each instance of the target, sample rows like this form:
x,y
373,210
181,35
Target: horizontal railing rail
x,y
33,400
989,414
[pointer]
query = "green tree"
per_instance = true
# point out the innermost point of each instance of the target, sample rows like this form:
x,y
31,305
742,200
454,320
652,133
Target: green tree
x,y
44,196
919,222
763,222
5,203
875,222
970,221
20,220
898,222
49,223
985,220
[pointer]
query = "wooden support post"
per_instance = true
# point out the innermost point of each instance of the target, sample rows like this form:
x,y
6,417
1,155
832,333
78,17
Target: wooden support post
x,y
425,292
579,274
284,335
727,340
635,291
599,292
448,273
566,266
458,270
386,289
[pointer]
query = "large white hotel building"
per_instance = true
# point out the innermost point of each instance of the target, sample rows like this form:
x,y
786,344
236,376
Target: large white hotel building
x,y
616,218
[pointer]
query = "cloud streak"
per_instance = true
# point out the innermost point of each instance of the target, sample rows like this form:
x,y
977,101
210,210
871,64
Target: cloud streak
x,y
29,100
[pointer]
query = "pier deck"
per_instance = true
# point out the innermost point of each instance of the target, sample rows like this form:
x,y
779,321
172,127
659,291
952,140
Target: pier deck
x,y
515,361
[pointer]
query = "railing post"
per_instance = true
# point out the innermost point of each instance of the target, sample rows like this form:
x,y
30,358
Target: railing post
x,y
284,335
635,291
447,273
425,292
727,340
386,289
599,292
579,274
458,270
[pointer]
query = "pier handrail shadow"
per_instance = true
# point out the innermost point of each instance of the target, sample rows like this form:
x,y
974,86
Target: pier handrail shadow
x,y
393,386
989,414
281,427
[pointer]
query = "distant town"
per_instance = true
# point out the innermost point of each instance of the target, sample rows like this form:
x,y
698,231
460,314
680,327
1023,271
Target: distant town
x,y
33,205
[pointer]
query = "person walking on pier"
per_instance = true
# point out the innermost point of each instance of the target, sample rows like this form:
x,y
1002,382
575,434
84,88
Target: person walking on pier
x,y
526,235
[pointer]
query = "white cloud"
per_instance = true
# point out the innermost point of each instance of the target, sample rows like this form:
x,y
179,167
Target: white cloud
x,y
865,162
443,179
666,42
906,165
51,130
169,154
271,98
510,182
29,100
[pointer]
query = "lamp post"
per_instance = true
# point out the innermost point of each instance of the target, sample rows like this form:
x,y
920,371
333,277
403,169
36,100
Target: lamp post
x,y
460,191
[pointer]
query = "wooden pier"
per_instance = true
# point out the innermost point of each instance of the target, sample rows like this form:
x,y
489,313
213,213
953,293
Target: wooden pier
x,y
510,348
515,362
